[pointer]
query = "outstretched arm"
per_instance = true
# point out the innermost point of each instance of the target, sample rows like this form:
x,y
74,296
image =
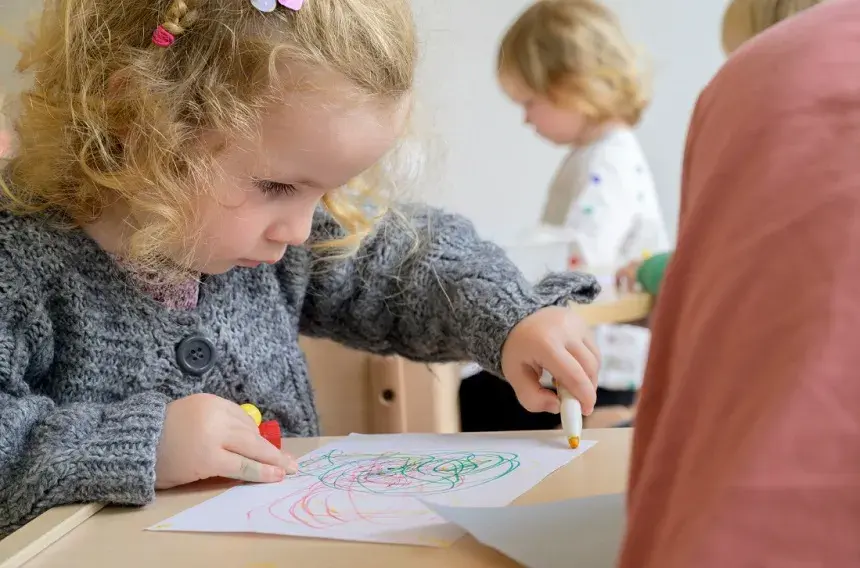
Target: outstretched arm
x,y
428,288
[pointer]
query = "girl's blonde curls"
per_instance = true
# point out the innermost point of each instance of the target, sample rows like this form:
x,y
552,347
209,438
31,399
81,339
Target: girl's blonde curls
x,y
110,116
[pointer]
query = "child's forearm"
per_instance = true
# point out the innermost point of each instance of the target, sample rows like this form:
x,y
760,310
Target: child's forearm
x,y
54,453
78,453
447,296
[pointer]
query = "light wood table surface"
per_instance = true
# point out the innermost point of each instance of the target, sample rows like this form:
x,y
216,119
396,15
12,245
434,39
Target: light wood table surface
x,y
616,307
116,537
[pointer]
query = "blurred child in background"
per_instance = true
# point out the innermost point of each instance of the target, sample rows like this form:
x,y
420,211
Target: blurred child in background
x,y
568,64
571,68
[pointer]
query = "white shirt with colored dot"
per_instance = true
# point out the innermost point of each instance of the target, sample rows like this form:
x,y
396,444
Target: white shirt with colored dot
x,y
605,194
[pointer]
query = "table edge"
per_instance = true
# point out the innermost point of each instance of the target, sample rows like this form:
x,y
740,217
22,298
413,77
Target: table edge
x,y
39,534
20,547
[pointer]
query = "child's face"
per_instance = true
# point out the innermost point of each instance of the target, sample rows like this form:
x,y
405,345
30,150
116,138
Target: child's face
x,y
558,125
265,198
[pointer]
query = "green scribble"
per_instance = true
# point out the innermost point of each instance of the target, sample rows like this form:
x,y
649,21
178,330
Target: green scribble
x,y
399,473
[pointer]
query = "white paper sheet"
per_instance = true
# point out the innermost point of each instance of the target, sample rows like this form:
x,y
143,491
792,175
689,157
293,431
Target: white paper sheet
x,y
371,488
576,533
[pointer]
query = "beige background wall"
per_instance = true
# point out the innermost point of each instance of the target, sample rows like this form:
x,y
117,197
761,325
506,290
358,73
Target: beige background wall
x,y
14,14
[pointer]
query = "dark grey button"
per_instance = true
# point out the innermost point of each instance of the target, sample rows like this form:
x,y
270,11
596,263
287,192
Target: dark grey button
x,y
196,355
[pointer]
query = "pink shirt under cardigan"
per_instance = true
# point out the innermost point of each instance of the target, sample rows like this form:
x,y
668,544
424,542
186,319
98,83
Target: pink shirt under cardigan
x,y
747,442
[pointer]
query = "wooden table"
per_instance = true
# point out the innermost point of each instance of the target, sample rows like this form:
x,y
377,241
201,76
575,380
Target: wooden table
x,y
616,307
116,537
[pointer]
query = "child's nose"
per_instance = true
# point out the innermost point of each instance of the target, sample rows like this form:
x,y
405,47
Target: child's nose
x,y
293,231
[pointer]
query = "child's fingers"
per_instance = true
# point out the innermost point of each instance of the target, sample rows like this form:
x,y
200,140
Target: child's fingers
x,y
235,466
253,446
625,279
589,342
565,369
240,423
586,358
532,396
238,413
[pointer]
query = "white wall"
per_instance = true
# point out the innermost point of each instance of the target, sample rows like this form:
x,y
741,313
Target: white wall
x,y
495,170
13,14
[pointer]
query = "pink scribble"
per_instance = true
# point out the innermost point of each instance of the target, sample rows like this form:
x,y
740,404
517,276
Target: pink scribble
x,y
370,487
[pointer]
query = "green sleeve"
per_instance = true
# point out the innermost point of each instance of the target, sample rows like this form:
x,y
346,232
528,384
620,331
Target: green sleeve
x,y
650,274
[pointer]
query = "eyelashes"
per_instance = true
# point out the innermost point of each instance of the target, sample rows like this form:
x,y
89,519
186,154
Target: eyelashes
x,y
274,188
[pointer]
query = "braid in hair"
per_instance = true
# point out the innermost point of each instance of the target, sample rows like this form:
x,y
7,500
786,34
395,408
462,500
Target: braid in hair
x,y
180,17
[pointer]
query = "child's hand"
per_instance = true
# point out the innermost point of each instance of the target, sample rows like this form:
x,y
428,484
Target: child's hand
x,y
207,436
554,339
626,279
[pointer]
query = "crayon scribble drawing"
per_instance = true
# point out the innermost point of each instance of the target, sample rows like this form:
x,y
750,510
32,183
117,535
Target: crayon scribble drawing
x,y
372,488
346,486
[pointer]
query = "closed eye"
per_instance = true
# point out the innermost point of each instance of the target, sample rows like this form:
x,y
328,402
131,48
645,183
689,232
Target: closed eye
x,y
275,188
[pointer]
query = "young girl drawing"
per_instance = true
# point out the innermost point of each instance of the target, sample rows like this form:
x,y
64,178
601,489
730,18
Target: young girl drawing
x,y
172,220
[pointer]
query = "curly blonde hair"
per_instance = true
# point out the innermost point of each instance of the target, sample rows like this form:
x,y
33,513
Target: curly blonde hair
x,y
575,53
111,116
745,19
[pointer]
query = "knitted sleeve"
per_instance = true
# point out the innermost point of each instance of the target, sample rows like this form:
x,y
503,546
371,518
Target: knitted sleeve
x,y
55,454
426,287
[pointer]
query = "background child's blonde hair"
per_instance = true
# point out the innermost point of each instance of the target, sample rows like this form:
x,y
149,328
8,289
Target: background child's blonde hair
x,y
745,19
575,53
112,116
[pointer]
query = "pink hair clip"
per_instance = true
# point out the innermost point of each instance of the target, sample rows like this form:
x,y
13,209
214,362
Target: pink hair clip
x,y
162,38
270,5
